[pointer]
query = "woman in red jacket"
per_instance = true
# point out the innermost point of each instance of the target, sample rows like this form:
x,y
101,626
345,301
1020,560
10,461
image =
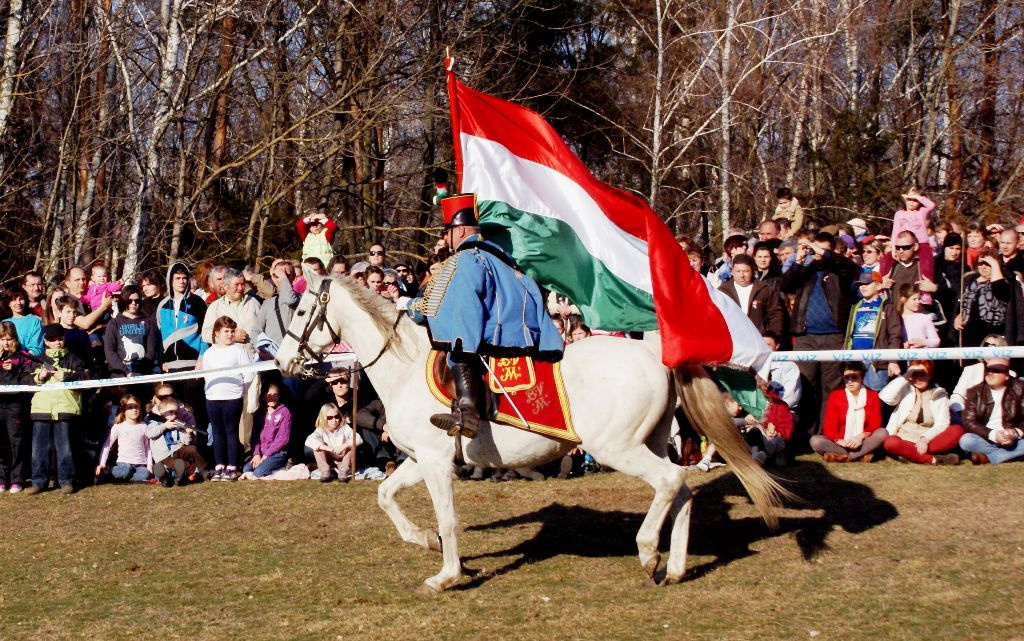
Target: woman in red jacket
x,y
853,420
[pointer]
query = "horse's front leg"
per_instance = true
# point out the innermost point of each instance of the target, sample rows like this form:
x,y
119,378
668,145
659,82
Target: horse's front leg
x,y
406,475
437,474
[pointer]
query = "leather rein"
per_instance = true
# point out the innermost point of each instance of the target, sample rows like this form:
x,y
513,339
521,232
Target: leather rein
x,y
318,320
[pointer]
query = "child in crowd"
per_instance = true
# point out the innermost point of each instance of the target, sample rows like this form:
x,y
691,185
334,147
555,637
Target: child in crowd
x,y
914,219
165,392
100,284
918,327
76,340
132,444
274,425
225,396
578,330
53,411
16,368
317,232
170,441
788,208
331,443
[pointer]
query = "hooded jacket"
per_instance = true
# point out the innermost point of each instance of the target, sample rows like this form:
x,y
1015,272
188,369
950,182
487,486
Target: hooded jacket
x,y
58,404
179,322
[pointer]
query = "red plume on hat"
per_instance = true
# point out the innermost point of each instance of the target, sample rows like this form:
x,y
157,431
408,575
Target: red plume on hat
x,y
459,210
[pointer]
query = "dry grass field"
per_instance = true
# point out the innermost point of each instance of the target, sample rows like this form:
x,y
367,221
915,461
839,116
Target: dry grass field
x,y
880,551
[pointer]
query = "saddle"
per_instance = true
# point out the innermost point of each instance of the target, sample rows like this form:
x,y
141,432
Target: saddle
x,y
523,386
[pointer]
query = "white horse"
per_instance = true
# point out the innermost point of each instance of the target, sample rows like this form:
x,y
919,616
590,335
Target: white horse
x,y
620,395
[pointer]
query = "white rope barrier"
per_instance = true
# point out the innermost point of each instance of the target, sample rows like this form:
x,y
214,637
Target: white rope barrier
x,y
336,360
924,354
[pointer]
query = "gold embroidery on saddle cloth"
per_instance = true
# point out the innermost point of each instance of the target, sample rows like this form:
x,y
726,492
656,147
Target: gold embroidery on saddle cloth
x,y
513,374
436,289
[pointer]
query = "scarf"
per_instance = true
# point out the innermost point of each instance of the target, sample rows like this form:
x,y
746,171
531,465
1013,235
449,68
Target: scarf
x,y
990,310
855,406
920,417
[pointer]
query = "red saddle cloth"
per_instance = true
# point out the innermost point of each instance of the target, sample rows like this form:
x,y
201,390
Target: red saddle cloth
x,y
535,388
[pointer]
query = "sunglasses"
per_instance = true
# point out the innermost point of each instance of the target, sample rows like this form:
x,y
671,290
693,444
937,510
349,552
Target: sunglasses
x,y
272,396
990,345
904,247
402,270
134,300
997,369
850,378
376,252
340,381
334,417
389,282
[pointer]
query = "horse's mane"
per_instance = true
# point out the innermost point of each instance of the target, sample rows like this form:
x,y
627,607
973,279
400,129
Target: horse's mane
x,y
380,310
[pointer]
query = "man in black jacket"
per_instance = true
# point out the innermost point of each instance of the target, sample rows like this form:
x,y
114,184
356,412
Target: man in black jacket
x,y
821,280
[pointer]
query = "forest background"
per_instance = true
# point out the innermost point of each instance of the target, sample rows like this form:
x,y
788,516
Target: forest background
x,y
141,131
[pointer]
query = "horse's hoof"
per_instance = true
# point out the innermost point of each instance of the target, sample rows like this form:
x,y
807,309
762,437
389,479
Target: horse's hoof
x,y
434,542
652,565
670,580
425,589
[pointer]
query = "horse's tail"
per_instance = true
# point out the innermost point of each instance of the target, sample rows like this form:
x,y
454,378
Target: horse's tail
x,y
702,403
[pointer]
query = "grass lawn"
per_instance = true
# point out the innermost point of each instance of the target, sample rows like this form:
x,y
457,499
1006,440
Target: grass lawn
x,y
879,551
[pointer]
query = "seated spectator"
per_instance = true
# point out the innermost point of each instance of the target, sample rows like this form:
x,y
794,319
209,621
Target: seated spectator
x,y
274,424
918,328
316,231
372,419
783,376
132,340
165,392
16,367
129,433
919,428
993,416
972,375
853,420
53,411
29,326
874,324
176,460
331,444
986,299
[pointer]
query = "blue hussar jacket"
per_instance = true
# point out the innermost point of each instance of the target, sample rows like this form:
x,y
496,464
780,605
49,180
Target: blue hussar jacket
x,y
480,303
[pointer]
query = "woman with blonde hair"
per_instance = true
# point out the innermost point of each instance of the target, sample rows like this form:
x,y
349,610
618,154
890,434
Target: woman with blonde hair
x,y
331,443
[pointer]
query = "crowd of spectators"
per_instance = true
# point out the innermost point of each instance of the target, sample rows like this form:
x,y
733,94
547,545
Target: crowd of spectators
x,y
919,283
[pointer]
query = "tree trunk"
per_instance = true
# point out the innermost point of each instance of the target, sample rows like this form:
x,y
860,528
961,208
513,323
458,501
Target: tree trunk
x,y
987,107
10,69
725,117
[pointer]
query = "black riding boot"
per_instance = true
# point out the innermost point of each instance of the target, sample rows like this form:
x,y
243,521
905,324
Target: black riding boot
x,y
465,415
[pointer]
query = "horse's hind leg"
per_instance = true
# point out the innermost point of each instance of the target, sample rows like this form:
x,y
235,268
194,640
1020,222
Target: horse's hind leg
x,y
406,475
680,538
666,478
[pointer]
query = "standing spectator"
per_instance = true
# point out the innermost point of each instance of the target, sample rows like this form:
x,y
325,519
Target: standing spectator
x,y
132,340
859,227
918,329
768,268
993,416
821,281
948,275
919,428
406,280
985,301
853,420
132,444
50,305
338,267
16,368
975,242
913,218
225,393
1013,260
908,269
390,288
76,340
874,324
29,326
275,314
75,285
759,301
32,283
152,293
331,444
317,233
788,208
375,256
180,315
374,278
270,451
53,411
735,245
870,256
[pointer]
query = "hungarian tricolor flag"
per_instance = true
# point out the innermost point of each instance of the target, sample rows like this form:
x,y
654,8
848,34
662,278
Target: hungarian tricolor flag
x,y
602,247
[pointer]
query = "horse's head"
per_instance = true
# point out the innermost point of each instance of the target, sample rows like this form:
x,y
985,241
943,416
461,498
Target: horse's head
x,y
310,331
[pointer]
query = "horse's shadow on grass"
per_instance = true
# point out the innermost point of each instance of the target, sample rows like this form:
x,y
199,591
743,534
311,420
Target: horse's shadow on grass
x,y
827,503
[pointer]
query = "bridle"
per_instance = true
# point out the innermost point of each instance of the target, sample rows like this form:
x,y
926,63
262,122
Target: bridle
x,y
318,320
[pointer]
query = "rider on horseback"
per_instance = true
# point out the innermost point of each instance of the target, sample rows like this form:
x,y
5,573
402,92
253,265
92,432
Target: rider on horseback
x,y
478,305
